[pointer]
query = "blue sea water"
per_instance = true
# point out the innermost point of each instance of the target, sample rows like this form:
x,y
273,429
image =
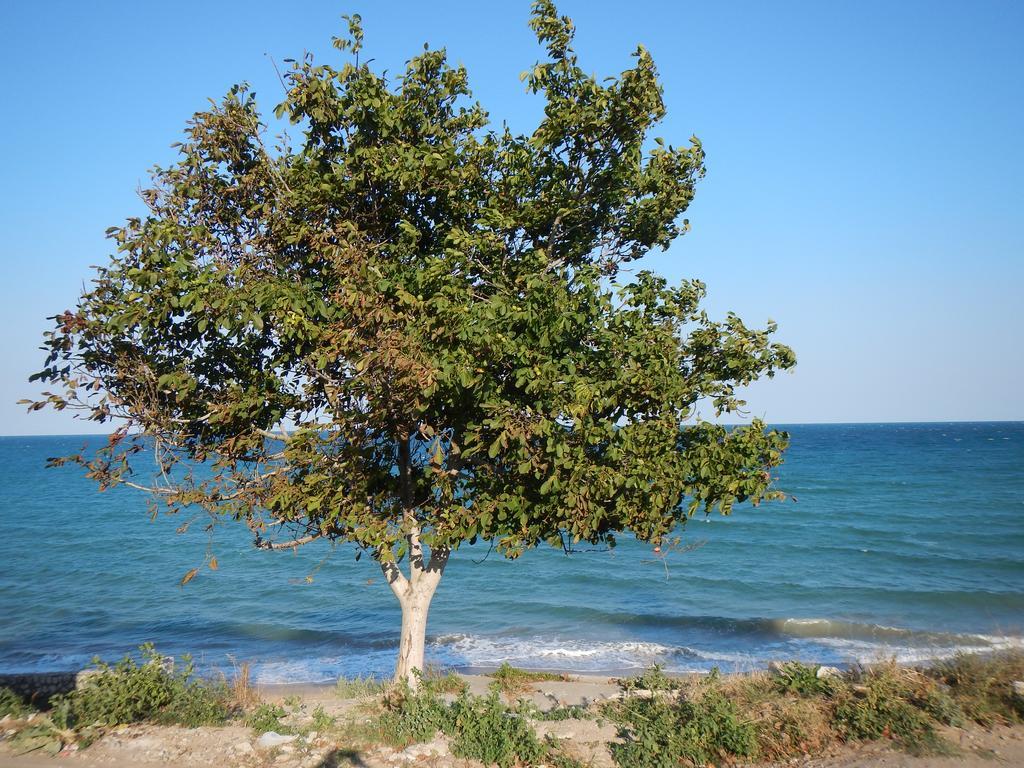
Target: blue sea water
x,y
906,540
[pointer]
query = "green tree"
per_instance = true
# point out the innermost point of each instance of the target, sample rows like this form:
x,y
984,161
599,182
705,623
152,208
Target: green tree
x,y
410,331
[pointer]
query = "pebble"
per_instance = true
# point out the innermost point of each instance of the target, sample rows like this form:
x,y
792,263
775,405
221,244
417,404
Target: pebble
x,y
437,747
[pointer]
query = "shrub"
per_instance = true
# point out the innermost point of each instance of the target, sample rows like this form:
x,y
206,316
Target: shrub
x,y
12,704
982,686
131,692
663,731
482,728
479,727
411,718
884,704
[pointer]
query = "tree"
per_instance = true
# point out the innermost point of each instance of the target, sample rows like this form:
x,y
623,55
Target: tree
x,y
412,330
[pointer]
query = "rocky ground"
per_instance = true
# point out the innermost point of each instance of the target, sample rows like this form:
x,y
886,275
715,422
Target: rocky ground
x,y
150,746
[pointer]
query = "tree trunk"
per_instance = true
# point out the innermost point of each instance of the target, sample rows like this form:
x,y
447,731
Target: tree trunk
x,y
414,595
415,592
413,641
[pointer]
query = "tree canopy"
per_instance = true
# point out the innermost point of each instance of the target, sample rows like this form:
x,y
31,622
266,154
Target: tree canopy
x,y
410,327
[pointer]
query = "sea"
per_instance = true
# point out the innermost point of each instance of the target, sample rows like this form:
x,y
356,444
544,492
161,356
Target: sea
x,y
903,541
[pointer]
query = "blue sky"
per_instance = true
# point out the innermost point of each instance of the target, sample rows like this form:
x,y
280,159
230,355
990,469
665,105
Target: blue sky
x,y
865,163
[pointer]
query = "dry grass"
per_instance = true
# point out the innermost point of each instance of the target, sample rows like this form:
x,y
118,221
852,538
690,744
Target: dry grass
x,y
787,725
982,686
359,687
243,693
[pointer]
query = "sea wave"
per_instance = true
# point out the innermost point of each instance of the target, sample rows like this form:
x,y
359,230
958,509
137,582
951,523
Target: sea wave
x,y
835,642
706,642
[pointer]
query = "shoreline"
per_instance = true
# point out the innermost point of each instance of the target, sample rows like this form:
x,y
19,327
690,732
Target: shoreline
x,y
40,686
63,680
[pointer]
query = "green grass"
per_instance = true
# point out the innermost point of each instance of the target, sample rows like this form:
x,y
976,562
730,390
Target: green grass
x,y
268,717
794,677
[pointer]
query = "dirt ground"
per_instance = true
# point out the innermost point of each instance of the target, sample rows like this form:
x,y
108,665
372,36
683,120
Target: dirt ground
x,y
149,746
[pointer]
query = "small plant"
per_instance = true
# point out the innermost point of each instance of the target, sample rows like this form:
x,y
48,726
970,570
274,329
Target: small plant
x,y
321,720
479,727
267,717
11,704
42,736
242,692
358,687
440,682
801,679
410,718
561,760
651,679
568,712
513,680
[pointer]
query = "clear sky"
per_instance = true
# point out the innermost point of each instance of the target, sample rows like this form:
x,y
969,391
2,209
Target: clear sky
x,y
865,166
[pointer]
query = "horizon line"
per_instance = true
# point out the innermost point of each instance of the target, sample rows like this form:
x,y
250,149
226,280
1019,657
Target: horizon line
x,y
725,424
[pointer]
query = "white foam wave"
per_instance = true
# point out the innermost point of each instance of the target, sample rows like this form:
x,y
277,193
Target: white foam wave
x,y
583,655
570,654
865,651
596,656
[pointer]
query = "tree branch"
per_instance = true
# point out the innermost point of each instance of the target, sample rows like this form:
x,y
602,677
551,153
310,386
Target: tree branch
x,y
395,578
260,544
281,437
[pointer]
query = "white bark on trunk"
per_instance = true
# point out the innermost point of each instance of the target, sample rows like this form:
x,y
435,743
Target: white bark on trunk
x,y
414,595
412,645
